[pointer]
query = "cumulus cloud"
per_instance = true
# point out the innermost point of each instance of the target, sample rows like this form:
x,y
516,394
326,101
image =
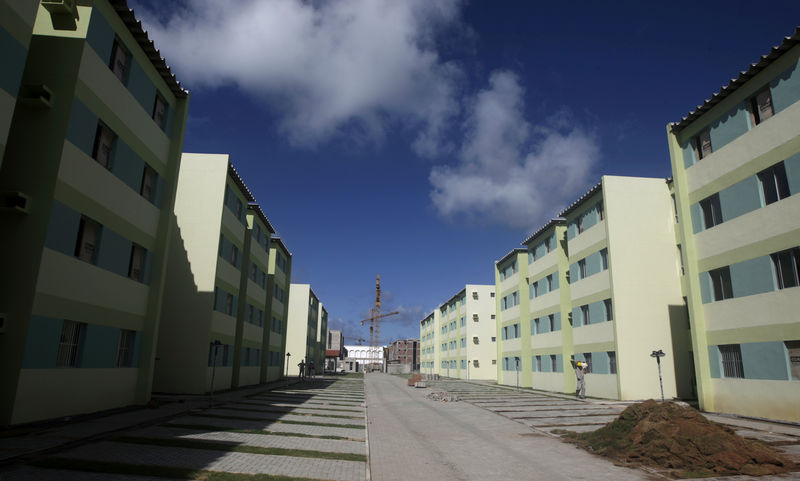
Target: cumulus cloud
x,y
509,171
357,66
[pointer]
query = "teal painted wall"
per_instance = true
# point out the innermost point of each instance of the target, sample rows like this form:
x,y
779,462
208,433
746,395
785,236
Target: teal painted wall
x,y
597,312
100,346
714,362
740,198
792,166
62,231
100,36
765,360
41,344
706,288
82,127
697,218
730,126
786,88
688,155
12,58
114,254
753,276
600,363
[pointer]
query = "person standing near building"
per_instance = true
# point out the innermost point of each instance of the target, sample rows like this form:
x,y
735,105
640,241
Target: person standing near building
x,y
580,373
302,366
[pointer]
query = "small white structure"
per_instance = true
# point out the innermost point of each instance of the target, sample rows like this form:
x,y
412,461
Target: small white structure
x,y
364,358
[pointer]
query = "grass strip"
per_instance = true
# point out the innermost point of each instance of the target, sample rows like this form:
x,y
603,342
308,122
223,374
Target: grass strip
x,y
315,409
157,471
292,412
323,403
308,423
204,427
238,448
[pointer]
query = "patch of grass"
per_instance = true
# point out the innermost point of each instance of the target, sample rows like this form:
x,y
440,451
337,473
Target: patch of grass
x,y
329,425
158,471
293,413
239,448
309,423
203,427
314,409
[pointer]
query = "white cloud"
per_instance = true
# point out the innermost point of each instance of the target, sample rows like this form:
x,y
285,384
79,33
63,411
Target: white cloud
x,y
327,67
510,172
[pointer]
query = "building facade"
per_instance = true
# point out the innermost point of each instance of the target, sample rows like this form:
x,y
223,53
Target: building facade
x,y
364,359
301,329
334,350
736,170
279,276
599,284
405,352
214,311
88,178
459,337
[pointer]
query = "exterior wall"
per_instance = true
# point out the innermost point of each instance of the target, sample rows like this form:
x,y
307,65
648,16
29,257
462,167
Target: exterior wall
x,y
512,329
430,340
481,324
49,157
407,352
301,330
364,358
278,281
16,28
757,318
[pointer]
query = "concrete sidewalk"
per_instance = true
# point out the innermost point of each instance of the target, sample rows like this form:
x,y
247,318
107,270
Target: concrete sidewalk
x,y
411,437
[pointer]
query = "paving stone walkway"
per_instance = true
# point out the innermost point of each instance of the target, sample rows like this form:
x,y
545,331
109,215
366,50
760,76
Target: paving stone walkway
x,y
282,432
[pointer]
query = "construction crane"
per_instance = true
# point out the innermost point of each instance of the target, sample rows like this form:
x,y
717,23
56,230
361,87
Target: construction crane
x,y
375,316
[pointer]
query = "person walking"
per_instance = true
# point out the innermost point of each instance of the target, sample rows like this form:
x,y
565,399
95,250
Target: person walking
x,y
580,373
302,366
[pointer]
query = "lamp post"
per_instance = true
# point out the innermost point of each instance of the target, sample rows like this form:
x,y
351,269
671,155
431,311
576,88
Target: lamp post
x,y
288,354
215,345
467,369
658,355
516,362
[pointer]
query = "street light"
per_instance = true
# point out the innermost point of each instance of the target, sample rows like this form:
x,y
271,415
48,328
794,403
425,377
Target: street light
x,y
467,369
658,355
516,362
288,354
215,345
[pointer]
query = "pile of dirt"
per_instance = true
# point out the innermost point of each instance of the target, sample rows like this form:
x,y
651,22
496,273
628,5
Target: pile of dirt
x,y
679,439
443,396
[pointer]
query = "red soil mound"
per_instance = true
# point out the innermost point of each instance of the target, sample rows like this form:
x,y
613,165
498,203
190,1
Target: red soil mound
x,y
680,440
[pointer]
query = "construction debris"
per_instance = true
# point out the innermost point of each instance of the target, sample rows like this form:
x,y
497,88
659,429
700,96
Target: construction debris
x,y
442,396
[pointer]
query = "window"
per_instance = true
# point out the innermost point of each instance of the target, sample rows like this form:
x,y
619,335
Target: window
x,y
731,355
701,143
516,331
238,208
787,267
88,236
494,362
250,312
712,211
579,223
552,321
761,106
159,111
253,272
604,258
72,334
148,183
582,269
136,264
721,283
585,315
234,255
536,328
612,362
609,310
549,282
600,211
536,289
539,363
119,61
494,339
675,208
774,185
587,357
493,316
125,348
548,245
553,364
229,304
103,145
491,294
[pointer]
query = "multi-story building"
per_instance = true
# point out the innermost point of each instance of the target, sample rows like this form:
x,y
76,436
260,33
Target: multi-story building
x,y
88,179
429,339
16,29
405,352
334,350
279,276
301,329
322,339
364,359
736,169
599,284
214,311
459,337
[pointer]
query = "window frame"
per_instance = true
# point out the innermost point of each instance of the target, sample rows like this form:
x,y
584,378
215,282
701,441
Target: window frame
x,y
699,143
160,101
70,342
721,286
773,184
786,265
730,357
102,134
755,107
117,48
88,225
712,211
137,262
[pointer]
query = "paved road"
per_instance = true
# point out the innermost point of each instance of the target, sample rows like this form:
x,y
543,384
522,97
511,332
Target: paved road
x,y
411,437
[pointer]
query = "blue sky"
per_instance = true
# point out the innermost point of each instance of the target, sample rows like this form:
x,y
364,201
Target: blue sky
x,y
422,140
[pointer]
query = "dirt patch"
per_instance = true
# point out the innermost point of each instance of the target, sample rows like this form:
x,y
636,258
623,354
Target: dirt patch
x,y
681,441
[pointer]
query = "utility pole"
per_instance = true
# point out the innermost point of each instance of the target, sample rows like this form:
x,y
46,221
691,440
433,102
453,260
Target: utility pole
x,y
658,355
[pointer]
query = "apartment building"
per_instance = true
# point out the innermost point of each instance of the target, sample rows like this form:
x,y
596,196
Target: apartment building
x,y
322,339
303,323
279,278
334,350
736,170
88,179
599,284
16,28
214,311
458,339
404,351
